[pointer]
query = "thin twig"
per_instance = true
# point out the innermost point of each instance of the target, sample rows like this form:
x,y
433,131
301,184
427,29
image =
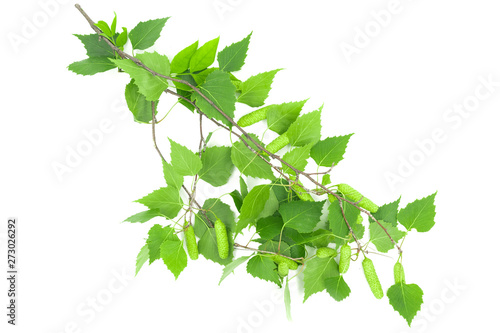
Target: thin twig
x,y
263,251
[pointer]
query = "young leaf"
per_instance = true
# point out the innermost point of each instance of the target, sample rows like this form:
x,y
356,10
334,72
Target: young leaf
x,y
255,90
229,268
145,34
96,46
138,105
243,188
157,235
204,56
166,199
184,161
217,165
337,288
281,116
264,268
249,163
221,91
326,180
91,66
144,216
208,247
151,86
302,216
406,299
113,26
104,28
317,271
330,150
232,57
297,158
419,214
380,239
174,256
180,63
388,213
306,129
122,38
142,258
172,178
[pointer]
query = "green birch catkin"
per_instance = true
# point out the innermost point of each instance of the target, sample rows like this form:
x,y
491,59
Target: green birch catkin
x,y
356,196
253,117
325,252
221,237
372,278
345,258
192,246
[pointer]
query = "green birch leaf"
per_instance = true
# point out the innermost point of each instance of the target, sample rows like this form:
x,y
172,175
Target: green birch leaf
x,y
221,91
145,34
166,199
264,268
237,198
316,272
326,180
232,57
150,86
330,151
184,161
380,239
337,288
207,246
302,216
249,163
306,129
253,204
217,165
138,105
174,256
144,216
281,116
91,66
96,46
180,63
297,157
229,268
142,258
157,235
243,188
172,178
255,90
406,299
204,56
320,237
337,222
388,213
419,214
269,227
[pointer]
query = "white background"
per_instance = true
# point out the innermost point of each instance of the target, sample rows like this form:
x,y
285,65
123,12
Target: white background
x,y
393,93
